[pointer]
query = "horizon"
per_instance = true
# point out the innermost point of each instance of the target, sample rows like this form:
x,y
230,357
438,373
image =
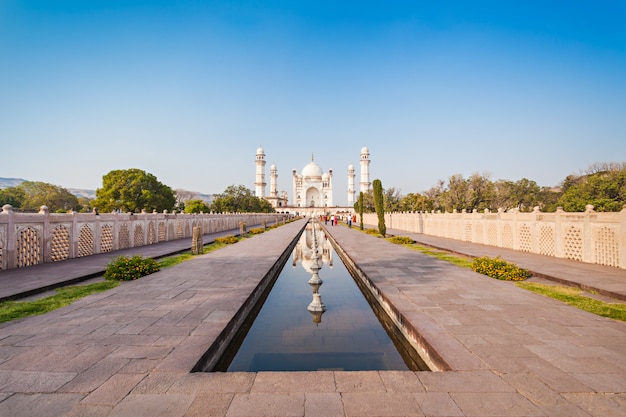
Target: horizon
x,y
187,91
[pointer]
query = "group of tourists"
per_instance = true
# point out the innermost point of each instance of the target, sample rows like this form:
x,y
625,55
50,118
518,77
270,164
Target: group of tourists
x,y
333,218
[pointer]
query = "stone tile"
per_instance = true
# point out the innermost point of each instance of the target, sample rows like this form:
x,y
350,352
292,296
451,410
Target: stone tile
x,y
495,404
401,381
129,340
477,381
353,381
89,411
40,405
137,326
213,405
457,356
156,383
565,409
436,404
327,404
153,405
294,382
604,382
33,381
136,352
113,390
86,359
58,356
214,382
263,404
555,378
605,405
95,376
140,366
534,389
380,404
25,357
185,356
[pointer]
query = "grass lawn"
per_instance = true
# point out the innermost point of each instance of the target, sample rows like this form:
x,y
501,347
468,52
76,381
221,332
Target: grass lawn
x,y
12,310
573,296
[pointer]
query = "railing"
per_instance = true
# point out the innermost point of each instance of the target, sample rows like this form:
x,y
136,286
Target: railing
x,y
33,238
591,237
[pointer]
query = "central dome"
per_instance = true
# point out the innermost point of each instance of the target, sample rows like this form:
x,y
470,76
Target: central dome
x,y
312,170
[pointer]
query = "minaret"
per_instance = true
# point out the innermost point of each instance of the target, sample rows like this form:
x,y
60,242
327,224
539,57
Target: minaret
x,y
351,189
365,184
260,173
330,188
273,181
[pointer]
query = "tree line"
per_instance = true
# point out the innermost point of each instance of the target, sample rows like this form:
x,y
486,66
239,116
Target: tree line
x,y
602,185
128,191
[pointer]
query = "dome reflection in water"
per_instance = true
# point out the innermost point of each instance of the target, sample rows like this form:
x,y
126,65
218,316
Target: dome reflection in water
x,y
315,318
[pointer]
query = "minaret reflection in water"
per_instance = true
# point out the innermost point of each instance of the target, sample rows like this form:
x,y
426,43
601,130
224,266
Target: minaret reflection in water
x,y
316,307
283,338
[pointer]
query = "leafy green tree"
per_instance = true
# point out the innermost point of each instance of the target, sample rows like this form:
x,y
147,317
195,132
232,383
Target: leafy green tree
x,y
455,197
392,199
239,199
549,199
480,192
368,202
379,204
132,190
523,194
196,206
416,202
36,194
13,196
435,195
605,190
85,204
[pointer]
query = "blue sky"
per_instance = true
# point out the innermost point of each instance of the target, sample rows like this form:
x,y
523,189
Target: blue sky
x,y
187,90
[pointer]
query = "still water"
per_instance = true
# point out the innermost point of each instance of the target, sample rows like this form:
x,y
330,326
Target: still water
x,y
286,336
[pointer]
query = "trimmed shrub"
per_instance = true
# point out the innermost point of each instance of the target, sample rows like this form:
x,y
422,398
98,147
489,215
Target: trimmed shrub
x,y
500,269
401,240
256,231
371,231
227,240
124,268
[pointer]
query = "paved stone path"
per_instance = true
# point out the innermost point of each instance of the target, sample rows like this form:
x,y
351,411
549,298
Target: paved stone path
x,y
128,351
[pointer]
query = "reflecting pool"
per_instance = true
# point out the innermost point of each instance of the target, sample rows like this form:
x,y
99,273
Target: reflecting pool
x,y
315,318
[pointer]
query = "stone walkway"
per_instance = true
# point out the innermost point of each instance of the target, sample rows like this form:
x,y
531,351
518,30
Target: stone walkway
x,y
129,351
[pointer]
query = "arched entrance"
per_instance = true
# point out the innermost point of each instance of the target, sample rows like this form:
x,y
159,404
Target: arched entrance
x,y
313,197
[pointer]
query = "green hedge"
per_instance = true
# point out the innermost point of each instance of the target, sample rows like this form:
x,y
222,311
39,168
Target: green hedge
x,y
124,268
228,240
401,240
500,269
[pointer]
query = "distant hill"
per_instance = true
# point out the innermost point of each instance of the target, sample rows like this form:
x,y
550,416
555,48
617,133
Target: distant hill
x,y
10,182
91,194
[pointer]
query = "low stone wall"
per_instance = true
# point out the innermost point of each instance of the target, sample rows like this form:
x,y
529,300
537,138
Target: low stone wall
x,y
33,238
591,237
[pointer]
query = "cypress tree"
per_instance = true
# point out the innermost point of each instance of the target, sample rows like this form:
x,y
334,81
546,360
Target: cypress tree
x,y
379,205
361,209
